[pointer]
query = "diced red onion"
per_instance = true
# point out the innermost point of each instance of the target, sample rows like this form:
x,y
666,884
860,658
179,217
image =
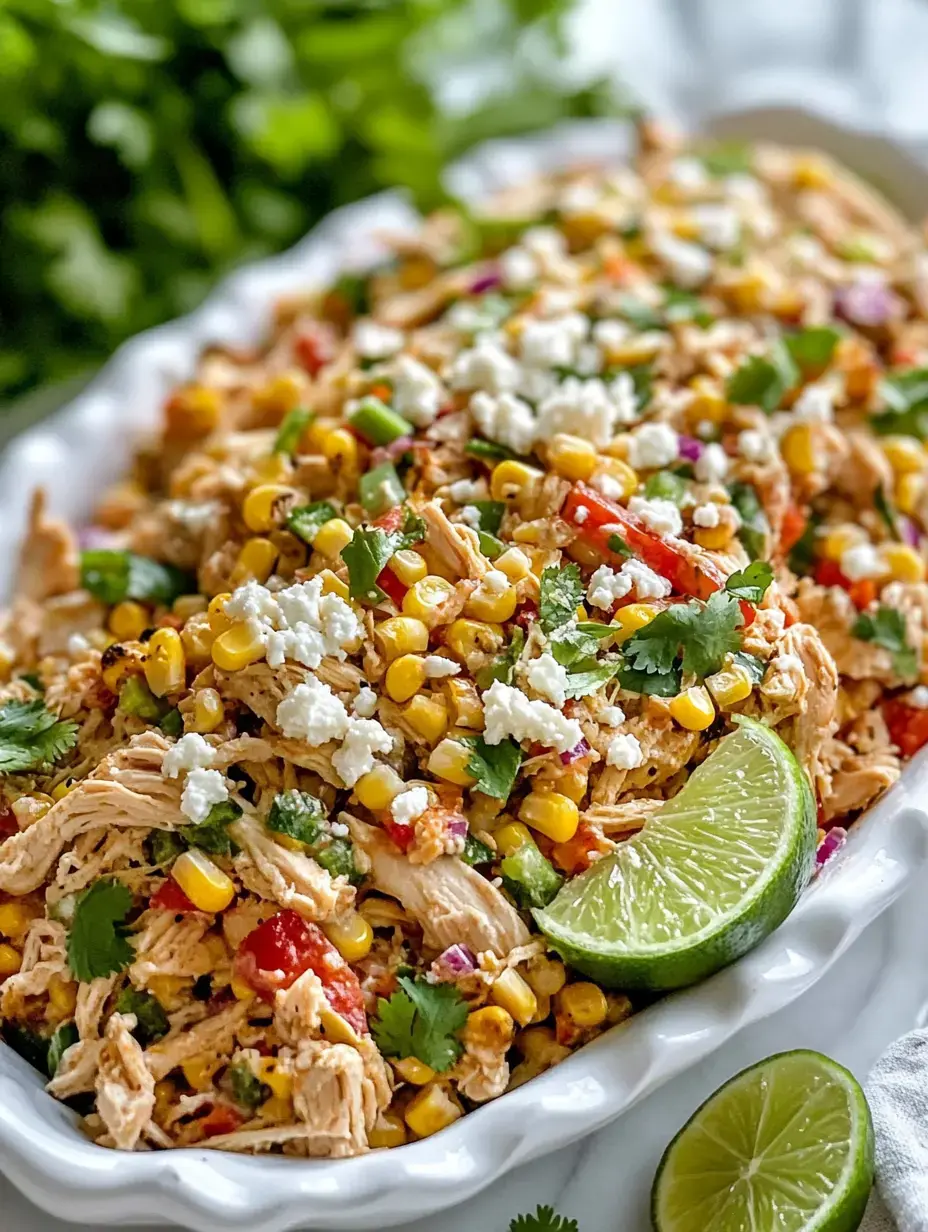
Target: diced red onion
x,y
389,453
581,749
458,959
489,280
909,531
457,826
91,537
690,448
833,841
867,303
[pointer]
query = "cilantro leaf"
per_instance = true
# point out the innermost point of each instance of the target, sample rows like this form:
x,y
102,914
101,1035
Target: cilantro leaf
x,y
545,1219
305,521
494,766
369,551
248,1090
291,430
31,736
561,592
421,1020
812,347
654,684
212,833
754,667
706,633
151,1020
66,1035
111,575
97,942
503,666
763,381
583,682
754,529
165,846
299,815
886,628
578,641
713,635
751,583
680,305
906,397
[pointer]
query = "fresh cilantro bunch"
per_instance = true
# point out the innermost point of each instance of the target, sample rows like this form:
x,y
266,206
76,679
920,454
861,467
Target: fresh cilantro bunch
x,y
886,628
98,941
691,637
545,1219
32,737
369,551
421,1020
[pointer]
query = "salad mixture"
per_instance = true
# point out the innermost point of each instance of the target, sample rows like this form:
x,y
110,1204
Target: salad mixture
x,y
409,617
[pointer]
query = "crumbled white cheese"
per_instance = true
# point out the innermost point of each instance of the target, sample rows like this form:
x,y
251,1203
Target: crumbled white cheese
x,y
191,752
861,561
610,487
195,516
470,515
645,582
718,225
706,515
508,712
202,789
363,739
466,490
409,805
606,586
581,515
611,716
375,341
712,464
437,666
688,174
365,703
545,243
298,623
505,419
495,581
418,394
624,751
754,445
661,516
77,644
518,269
338,829
553,343
548,677
816,403
688,264
652,446
611,334
918,697
588,408
486,366
312,712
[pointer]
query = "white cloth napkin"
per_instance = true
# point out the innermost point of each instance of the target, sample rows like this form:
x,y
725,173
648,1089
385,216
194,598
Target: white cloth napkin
x,y
897,1090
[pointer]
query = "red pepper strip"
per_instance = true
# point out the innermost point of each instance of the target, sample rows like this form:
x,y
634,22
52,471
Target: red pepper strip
x,y
862,592
908,726
221,1119
391,520
391,585
170,897
688,575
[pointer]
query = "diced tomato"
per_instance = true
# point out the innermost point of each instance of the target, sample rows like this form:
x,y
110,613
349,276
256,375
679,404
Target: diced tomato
x,y
687,573
795,521
313,349
277,952
401,832
575,856
170,897
221,1119
908,726
8,823
391,585
862,592
391,520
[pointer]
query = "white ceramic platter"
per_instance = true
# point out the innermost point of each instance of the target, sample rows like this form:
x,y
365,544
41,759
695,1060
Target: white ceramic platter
x,y
88,444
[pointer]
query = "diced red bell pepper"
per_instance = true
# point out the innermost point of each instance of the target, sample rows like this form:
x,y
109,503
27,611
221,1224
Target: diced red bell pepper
x,y
221,1119
795,521
391,585
686,573
575,856
908,726
401,832
862,592
170,897
391,520
313,349
277,952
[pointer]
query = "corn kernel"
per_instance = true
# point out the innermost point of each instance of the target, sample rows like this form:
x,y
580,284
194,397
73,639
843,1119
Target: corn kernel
x,y
512,480
208,711
514,563
902,562
14,919
542,1009
273,468
351,936
551,814
584,1004
165,1098
237,648
192,412
467,637
262,507
332,537
714,538
515,996
489,605
538,1044
490,1026
124,659
411,1069
166,665
388,1131
909,491
708,403
629,619
547,976
464,702
62,995
428,716
332,585
401,635
571,456
408,566
216,613
240,990
255,561
839,539
10,960
269,1071
425,599
693,709
172,991
904,454
811,171
574,781
449,761
185,606
128,621
204,883
620,1008
511,837
199,1071
405,677
340,447
798,450
621,473
377,789
432,1109
731,685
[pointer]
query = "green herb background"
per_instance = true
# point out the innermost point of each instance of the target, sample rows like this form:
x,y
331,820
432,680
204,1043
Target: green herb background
x,y
146,146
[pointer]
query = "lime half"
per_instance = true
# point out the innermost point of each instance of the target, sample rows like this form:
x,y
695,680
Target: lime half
x,y
786,1144
714,871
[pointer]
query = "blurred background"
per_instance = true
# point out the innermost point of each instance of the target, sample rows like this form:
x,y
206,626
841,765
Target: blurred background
x,y
148,146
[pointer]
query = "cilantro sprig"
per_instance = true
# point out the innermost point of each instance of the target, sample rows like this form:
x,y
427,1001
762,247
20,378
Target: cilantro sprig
x,y
763,380
886,628
560,593
97,941
421,1020
751,583
687,637
494,766
545,1219
31,736
369,551
111,575
906,398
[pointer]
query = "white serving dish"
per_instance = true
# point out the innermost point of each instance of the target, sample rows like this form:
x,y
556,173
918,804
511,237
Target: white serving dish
x,y
85,446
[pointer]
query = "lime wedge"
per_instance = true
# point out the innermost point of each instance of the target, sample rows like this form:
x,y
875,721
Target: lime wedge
x,y
786,1144
714,871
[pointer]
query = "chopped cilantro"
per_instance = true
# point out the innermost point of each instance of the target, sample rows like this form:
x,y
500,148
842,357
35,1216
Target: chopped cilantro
x,y
97,941
754,529
478,448
476,852
655,684
248,1090
151,1020
545,1219
111,575
751,583
173,722
680,305
421,1020
299,815
31,736
754,667
886,628
291,430
704,632
66,1035
491,515
212,834
369,551
578,641
617,544
494,766
561,593
165,846
642,381
812,347
503,666
305,521
588,677
763,381
906,398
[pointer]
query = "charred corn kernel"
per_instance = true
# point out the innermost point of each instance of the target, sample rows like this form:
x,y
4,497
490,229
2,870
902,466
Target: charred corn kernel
x,y
489,605
584,1004
10,960
428,716
835,542
332,585
572,456
432,1109
466,708
408,566
467,637
449,761
622,473
240,990
405,677
425,598
388,1131
340,447
749,290
573,782
620,1008
120,661
515,996
255,561
713,537
731,685
514,563
332,537
511,837
547,976
128,621
271,1073
904,454
411,1069
192,412
708,403
552,814
237,647
490,1026
260,508
63,996
170,990
378,788
540,1045
208,710
903,563
216,613
693,708
198,1071
909,490
542,1008
798,450
401,635
628,619
166,665
14,919
511,480
351,936
204,882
